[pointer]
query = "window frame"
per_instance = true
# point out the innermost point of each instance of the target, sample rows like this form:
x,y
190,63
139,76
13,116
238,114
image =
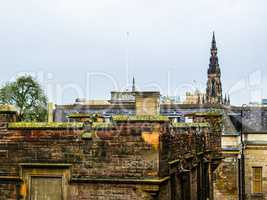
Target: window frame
x,y
256,179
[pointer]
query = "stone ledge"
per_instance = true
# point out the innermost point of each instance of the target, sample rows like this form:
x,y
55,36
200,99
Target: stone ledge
x,y
102,125
216,158
87,135
201,153
140,118
149,181
230,152
10,178
174,162
205,114
257,195
84,115
231,134
45,125
45,165
80,115
189,156
256,142
190,125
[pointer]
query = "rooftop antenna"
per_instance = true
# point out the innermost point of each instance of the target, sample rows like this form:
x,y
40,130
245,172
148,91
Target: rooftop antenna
x,y
127,58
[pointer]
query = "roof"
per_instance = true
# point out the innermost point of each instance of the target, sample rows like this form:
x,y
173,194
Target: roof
x,y
94,102
229,127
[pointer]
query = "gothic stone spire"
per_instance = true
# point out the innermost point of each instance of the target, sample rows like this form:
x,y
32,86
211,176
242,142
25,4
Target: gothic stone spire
x,y
214,88
133,85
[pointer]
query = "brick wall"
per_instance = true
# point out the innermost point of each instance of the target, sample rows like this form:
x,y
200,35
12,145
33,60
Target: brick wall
x,y
130,160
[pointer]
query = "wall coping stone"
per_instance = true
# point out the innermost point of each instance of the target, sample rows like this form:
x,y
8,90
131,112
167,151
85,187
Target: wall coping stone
x,y
150,181
10,178
205,114
45,125
190,125
140,118
45,165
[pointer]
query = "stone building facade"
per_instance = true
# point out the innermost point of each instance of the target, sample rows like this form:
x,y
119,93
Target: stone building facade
x,y
137,157
252,126
134,147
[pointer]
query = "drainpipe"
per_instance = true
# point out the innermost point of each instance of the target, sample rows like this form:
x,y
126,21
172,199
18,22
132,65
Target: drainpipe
x,y
241,164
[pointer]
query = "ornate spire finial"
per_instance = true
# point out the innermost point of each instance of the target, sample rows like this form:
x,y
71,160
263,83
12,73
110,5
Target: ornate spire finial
x,y
213,46
133,86
214,63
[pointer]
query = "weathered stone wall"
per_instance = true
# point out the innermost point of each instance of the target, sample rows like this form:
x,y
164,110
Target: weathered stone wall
x,y
226,178
215,121
147,103
254,119
121,152
123,160
255,156
94,191
125,151
8,190
191,140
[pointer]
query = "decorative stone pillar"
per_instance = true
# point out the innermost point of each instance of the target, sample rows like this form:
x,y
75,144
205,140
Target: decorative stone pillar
x,y
8,113
147,103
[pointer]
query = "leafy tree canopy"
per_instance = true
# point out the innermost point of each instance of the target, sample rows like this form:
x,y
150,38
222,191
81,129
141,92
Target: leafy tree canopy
x,y
27,95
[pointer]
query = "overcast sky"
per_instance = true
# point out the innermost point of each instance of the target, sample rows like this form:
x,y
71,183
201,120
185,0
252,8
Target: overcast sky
x,y
80,48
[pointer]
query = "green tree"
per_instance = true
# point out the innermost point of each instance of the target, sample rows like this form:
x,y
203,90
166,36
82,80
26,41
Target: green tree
x,y
27,94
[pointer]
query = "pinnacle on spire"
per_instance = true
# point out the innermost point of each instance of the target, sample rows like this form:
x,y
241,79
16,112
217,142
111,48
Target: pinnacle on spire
x,y
133,85
203,99
198,99
225,99
213,46
214,63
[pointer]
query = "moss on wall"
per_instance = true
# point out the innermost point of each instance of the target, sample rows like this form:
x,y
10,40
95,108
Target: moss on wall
x,y
154,118
79,115
44,125
188,125
87,135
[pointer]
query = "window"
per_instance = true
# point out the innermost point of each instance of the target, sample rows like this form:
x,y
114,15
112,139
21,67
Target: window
x,y
257,179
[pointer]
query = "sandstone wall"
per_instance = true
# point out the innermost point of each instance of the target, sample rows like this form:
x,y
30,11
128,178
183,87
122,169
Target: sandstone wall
x,y
124,160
